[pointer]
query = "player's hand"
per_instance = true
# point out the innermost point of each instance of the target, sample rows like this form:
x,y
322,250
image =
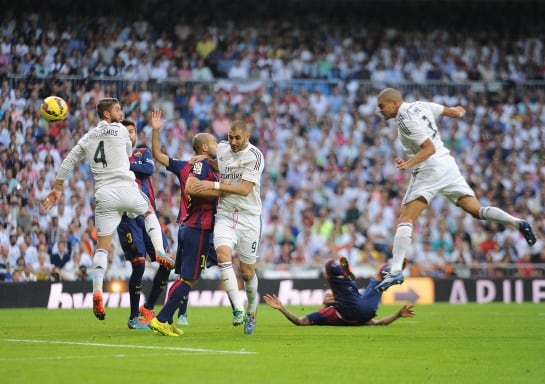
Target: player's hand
x,y
407,311
203,185
329,299
51,199
156,122
272,301
400,164
461,111
196,159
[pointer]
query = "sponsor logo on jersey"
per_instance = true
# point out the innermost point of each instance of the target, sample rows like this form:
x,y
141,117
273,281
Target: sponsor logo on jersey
x,y
197,168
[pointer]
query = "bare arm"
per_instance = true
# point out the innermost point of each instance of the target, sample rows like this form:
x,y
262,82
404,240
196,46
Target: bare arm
x,y
242,189
155,142
67,165
274,302
191,191
456,112
405,311
426,150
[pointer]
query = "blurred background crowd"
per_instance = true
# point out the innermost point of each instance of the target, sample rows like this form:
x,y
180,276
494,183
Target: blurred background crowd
x,y
305,76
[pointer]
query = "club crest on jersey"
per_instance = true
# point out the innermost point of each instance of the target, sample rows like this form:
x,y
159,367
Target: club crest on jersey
x,y
197,168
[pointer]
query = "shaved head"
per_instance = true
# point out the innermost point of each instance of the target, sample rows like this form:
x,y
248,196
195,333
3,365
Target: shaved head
x,y
389,100
205,144
198,140
390,94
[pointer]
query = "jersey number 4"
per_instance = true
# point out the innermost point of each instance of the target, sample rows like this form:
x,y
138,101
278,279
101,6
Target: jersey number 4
x,y
100,156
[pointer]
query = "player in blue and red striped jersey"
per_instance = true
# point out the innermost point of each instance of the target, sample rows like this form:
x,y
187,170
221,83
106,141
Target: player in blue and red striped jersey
x,y
196,220
136,243
345,305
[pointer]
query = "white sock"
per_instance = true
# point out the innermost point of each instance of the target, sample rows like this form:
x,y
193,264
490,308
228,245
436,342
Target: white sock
x,y
402,241
100,262
498,216
230,284
251,293
153,228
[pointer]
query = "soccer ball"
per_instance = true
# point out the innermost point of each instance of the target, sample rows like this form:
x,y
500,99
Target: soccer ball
x,y
54,108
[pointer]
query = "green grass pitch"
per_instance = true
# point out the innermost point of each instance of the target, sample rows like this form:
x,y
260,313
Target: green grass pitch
x,y
491,343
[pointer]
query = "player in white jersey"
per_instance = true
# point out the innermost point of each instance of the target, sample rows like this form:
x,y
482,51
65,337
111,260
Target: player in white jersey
x,y
107,148
434,172
238,218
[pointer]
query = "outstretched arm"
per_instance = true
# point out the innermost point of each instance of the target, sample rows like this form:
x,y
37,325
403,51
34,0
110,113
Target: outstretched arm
x,y
156,124
67,165
274,302
405,311
456,112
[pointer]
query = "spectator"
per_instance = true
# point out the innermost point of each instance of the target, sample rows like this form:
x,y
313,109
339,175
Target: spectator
x,y
42,267
5,266
61,255
72,267
238,71
185,73
27,274
205,45
511,118
201,72
16,276
14,252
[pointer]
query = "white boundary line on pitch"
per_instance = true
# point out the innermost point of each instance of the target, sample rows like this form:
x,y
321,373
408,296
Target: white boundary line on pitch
x,y
79,357
185,349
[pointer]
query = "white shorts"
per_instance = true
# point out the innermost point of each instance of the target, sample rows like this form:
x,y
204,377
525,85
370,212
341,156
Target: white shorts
x,y
240,232
440,177
112,203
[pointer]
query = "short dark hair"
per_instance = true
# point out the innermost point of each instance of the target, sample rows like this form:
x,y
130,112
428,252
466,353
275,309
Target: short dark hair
x,y
239,124
126,122
105,104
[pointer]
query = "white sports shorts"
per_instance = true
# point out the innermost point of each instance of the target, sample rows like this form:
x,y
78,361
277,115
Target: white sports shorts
x,y
112,203
441,176
240,232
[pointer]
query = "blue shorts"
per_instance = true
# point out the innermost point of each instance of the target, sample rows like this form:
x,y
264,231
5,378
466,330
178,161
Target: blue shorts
x,y
134,239
195,252
351,304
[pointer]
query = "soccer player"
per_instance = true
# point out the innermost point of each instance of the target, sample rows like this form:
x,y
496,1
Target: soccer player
x,y
238,218
107,148
344,305
434,172
196,219
136,243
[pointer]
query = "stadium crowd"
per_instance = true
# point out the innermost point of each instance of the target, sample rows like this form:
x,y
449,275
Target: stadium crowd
x,y
308,88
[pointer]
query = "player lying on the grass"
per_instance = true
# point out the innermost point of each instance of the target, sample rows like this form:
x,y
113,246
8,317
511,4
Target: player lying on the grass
x,y
345,305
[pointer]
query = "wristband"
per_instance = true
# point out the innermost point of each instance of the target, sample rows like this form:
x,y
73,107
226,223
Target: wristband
x,y
217,185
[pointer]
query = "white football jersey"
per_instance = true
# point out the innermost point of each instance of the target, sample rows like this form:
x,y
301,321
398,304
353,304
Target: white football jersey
x,y
107,147
415,124
247,164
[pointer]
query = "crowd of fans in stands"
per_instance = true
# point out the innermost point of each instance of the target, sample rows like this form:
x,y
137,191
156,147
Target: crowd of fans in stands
x,y
330,185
